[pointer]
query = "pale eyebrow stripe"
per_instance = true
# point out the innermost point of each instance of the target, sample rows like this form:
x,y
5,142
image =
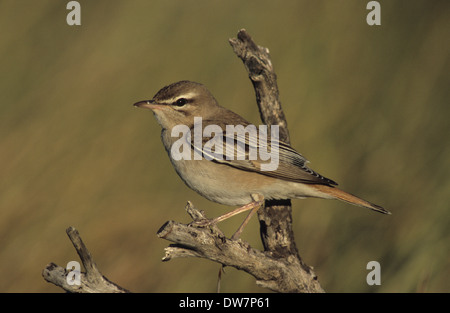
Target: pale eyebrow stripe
x,y
188,96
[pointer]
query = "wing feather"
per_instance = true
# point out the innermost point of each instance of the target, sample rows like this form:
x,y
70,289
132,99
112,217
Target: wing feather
x,y
291,164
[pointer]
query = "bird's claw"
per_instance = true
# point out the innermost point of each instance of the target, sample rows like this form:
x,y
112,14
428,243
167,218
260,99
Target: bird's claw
x,y
204,222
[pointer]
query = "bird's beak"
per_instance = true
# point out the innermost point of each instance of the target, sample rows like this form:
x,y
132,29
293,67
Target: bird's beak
x,y
148,104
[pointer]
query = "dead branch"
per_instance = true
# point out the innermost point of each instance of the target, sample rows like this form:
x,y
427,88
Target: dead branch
x,y
277,274
91,281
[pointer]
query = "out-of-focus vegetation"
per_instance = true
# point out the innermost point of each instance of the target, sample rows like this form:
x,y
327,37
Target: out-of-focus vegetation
x,y
367,105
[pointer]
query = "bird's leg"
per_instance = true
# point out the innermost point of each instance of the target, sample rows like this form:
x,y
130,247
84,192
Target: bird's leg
x,y
257,203
258,200
209,222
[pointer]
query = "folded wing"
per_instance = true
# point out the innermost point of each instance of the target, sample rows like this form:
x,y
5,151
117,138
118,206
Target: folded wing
x,y
250,152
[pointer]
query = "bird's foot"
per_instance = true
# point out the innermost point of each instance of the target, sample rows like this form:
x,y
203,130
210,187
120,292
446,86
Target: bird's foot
x,y
204,222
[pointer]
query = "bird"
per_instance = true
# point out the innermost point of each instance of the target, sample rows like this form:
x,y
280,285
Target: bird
x,y
187,112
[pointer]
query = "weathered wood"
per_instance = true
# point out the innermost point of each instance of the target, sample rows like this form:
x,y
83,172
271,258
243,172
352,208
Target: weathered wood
x,y
276,217
277,274
91,281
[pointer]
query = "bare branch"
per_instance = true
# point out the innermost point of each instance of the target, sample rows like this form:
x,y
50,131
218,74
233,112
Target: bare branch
x,y
258,64
92,281
276,218
278,274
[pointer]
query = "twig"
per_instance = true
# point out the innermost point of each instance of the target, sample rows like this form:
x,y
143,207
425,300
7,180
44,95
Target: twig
x,y
92,281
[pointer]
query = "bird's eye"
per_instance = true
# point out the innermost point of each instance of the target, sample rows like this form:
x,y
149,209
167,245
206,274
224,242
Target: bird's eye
x,y
180,102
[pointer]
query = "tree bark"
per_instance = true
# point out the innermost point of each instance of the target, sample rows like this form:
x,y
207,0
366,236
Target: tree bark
x,y
280,274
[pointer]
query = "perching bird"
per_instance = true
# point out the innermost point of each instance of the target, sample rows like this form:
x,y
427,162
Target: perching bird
x,y
240,176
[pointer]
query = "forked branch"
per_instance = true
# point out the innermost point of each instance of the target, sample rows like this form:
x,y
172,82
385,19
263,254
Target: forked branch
x,y
277,274
91,281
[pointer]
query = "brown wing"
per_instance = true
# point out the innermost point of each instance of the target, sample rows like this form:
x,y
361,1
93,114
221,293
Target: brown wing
x,y
238,150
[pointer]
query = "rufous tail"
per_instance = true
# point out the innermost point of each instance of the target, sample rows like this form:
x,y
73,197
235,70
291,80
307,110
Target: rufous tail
x,y
339,194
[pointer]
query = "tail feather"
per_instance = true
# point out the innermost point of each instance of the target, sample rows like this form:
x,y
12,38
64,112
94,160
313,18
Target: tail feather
x,y
339,194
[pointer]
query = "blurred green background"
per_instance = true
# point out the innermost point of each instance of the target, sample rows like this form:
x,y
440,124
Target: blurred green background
x,y
367,105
